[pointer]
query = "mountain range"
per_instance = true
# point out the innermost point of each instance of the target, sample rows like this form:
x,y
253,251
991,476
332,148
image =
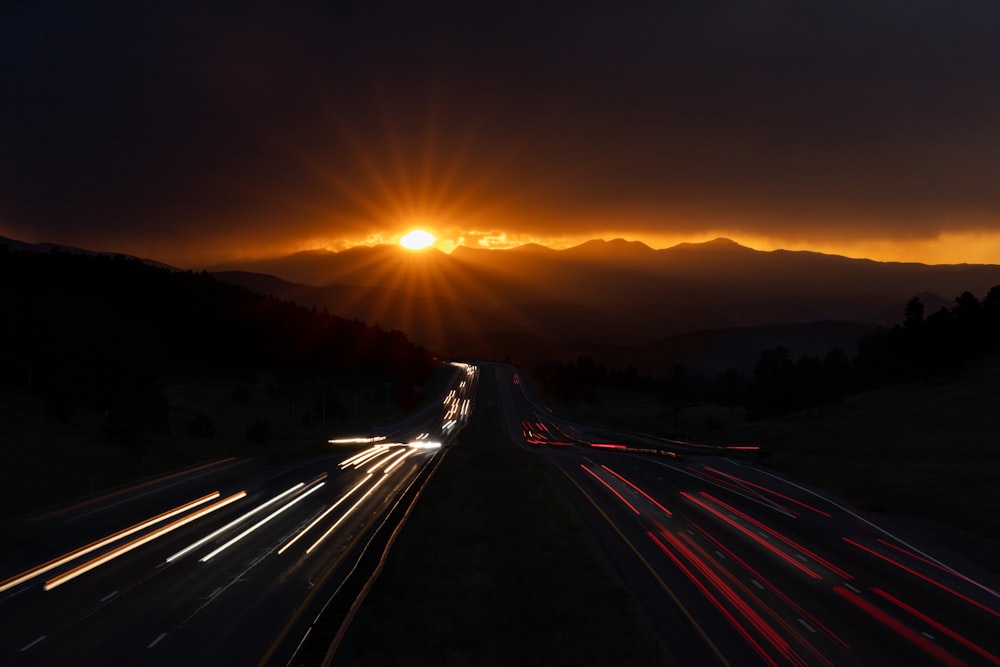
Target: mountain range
x,y
704,304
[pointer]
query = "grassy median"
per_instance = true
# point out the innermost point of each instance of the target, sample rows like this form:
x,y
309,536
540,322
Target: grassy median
x,y
495,568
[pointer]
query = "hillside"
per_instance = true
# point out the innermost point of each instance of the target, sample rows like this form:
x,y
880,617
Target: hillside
x,y
708,305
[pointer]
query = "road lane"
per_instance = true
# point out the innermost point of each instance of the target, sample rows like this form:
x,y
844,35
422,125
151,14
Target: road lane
x,y
756,568
217,588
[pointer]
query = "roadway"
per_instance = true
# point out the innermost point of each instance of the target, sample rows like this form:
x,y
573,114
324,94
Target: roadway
x,y
226,564
737,565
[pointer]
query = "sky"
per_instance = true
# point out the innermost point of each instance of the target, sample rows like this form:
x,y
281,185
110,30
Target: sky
x,y
200,131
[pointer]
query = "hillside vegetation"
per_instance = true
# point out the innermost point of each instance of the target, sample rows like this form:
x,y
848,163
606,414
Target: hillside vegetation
x,y
114,369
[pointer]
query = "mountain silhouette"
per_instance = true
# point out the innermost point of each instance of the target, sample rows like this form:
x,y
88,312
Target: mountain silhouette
x,y
611,295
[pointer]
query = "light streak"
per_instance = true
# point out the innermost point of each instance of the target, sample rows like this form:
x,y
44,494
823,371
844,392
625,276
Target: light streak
x,y
104,541
714,600
924,577
323,515
795,545
611,488
357,441
346,514
398,461
939,626
740,480
383,461
213,554
899,627
749,533
640,491
139,541
234,522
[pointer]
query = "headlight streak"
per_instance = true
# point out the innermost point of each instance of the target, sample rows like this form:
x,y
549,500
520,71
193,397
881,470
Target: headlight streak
x,y
208,538
381,462
139,541
303,496
104,541
346,514
399,461
324,514
357,441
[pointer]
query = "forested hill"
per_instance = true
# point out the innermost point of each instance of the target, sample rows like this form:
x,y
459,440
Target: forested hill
x,y
82,330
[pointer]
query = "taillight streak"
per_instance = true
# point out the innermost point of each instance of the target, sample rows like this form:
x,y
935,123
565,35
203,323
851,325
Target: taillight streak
x,y
611,488
914,636
715,601
920,575
790,542
740,480
938,626
774,589
754,536
781,644
639,491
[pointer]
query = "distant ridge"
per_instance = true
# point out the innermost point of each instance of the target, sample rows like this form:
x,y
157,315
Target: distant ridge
x,y
609,295
14,244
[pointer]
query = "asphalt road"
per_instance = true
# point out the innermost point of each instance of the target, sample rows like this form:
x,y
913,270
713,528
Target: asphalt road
x,y
228,564
736,565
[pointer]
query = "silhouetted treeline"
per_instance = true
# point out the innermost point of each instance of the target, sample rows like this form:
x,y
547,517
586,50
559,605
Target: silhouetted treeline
x,y
921,348
99,332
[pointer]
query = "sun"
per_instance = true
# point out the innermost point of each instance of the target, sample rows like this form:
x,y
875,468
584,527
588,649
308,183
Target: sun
x,y
418,239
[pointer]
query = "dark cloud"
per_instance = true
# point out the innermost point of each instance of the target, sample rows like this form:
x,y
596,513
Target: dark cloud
x,y
160,124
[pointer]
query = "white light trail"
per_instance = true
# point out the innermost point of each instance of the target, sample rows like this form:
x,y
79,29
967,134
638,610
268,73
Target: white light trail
x,y
357,441
213,554
324,514
382,462
346,514
139,541
104,541
399,460
191,547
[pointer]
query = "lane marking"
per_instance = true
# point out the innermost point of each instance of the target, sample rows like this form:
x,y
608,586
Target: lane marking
x,y
928,635
214,593
673,596
852,588
882,530
757,584
157,640
27,647
108,596
805,625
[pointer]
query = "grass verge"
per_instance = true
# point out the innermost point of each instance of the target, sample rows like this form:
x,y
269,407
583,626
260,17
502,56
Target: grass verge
x,y
495,568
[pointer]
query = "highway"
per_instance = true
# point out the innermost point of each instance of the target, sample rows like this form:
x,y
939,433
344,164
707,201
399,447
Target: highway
x,y
736,565
226,564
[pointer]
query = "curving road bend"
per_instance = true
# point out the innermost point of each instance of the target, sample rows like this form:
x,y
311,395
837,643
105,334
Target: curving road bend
x,y
226,564
736,565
